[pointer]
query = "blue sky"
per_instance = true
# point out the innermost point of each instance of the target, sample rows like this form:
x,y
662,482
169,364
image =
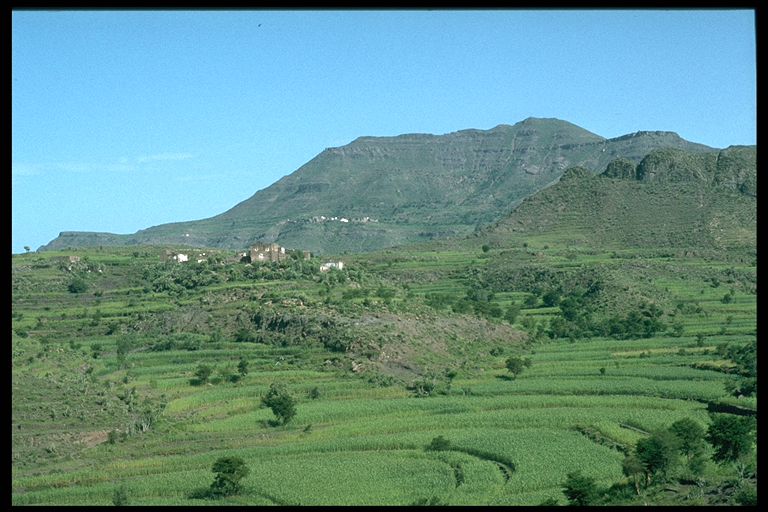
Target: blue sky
x,y
124,120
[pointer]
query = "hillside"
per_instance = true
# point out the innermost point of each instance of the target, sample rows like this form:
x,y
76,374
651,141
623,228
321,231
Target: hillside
x,y
670,199
379,192
135,382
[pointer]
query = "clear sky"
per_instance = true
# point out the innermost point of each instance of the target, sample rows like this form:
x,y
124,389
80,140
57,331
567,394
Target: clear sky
x,y
124,120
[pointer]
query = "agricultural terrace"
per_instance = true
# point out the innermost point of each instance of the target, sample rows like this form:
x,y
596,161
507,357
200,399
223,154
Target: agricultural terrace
x,y
104,390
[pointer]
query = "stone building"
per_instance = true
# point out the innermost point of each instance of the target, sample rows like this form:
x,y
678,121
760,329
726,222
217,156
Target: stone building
x,y
267,252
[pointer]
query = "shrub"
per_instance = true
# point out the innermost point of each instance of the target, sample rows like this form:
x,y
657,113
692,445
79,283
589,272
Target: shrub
x,y
579,489
245,335
242,366
512,312
747,496
516,365
281,402
439,443
77,285
120,496
202,373
229,471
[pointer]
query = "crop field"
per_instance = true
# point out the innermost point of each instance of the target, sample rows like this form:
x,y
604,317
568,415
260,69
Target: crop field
x,y
104,389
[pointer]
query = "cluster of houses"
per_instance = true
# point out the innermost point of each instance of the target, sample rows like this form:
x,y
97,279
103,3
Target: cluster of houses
x,y
256,254
345,220
180,257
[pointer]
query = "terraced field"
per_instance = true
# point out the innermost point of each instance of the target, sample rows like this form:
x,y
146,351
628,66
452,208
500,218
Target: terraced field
x,y
360,435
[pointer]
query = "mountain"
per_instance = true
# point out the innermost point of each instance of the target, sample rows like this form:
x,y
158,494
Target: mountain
x,y
671,199
379,192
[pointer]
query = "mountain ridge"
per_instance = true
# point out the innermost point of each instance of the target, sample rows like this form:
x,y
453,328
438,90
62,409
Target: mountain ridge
x,y
401,189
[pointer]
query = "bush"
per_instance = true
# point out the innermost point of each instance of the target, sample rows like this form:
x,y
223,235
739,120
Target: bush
x,y
245,335
242,367
229,471
77,285
120,496
516,365
439,443
202,373
579,489
512,312
747,496
281,402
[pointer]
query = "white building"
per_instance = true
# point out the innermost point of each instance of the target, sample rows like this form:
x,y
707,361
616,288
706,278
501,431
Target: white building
x,y
338,265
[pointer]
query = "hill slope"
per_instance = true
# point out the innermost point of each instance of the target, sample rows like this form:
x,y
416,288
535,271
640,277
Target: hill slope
x,y
672,198
403,189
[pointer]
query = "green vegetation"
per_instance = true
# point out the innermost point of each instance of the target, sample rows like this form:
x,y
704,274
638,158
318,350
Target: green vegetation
x,y
281,402
579,489
516,365
120,496
229,471
731,436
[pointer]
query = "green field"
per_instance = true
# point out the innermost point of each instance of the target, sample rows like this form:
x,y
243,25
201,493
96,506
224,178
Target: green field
x,y
349,346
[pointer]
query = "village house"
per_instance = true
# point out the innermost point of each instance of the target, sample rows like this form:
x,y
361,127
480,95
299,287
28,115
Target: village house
x,y
338,265
178,257
267,252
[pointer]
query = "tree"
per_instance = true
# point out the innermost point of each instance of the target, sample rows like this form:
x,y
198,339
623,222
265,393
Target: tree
x,y
658,454
516,365
229,471
280,401
634,469
27,248
579,489
242,366
690,436
731,436
551,298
